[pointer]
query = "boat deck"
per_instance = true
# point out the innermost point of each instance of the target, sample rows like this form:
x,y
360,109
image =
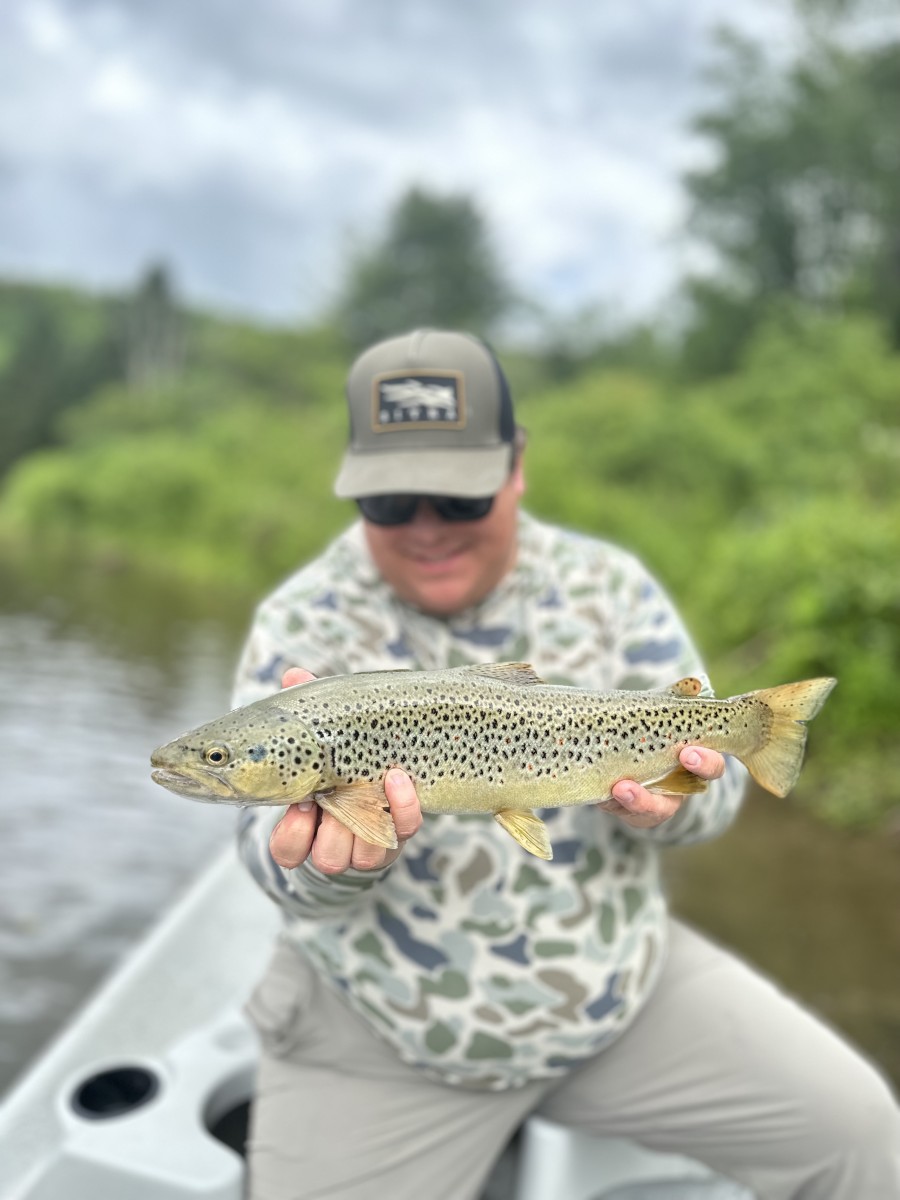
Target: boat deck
x,y
144,1096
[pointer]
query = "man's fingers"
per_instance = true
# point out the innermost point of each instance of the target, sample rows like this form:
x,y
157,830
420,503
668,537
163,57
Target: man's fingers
x,y
638,800
405,810
293,836
367,857
295,675
332,850
707,764
640,808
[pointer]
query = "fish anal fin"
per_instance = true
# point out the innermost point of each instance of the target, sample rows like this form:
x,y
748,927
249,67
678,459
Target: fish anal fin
x,y
679,782
527,829
519,674
363,808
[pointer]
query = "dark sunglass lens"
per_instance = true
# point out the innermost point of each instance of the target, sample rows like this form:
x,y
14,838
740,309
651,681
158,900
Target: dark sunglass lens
x,y
388,510
462,508
397,509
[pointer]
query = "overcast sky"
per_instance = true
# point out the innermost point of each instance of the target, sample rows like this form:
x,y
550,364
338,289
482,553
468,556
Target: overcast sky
x,y
250,145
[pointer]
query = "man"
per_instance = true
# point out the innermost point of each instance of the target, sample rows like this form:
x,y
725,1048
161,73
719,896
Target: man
x,y
424,1000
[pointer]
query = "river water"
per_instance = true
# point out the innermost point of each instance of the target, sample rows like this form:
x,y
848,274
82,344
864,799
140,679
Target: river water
x,y
97,670
92,677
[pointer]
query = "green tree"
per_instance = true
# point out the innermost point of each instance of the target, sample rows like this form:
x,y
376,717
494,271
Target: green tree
x,y
434,265
800,198
57,357
154,330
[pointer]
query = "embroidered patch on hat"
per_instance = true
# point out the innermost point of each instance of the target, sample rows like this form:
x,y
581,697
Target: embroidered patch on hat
x,y
418,400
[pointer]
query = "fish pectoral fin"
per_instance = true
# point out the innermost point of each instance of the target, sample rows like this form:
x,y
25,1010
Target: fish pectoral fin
x,y
519,674
679,782
528,830
363,808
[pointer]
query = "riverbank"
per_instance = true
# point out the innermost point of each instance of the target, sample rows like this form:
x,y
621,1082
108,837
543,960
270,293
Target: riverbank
x,y
813,907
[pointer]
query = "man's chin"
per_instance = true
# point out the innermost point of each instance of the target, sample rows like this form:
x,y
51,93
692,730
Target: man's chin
x,y
440,598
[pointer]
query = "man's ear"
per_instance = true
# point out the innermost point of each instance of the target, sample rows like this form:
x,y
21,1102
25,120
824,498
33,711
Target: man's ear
x,y
517,477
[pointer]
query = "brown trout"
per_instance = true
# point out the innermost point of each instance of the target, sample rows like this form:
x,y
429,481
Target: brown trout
x,y
480,739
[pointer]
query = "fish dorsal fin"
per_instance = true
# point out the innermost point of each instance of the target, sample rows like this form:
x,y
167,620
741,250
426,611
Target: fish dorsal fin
x,y
363,808
528,830
519,674
687,688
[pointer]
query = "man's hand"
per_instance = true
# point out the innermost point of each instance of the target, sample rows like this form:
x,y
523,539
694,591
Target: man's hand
x,y
644,810
305,831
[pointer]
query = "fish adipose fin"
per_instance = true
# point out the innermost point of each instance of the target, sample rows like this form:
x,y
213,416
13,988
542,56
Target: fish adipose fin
x,y
519,674
776,765
689,687
363,808
528,830
679,782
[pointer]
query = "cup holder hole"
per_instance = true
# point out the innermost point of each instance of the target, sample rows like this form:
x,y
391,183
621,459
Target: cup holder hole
x,y
114,1092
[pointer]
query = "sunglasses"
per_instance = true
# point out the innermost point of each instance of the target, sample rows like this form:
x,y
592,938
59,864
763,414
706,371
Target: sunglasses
x,y
400,509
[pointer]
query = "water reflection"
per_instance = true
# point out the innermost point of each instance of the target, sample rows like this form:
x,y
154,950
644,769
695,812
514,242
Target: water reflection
x,y
91,851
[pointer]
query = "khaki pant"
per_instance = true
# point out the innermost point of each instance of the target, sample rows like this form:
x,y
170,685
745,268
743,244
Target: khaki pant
x,y
719,1066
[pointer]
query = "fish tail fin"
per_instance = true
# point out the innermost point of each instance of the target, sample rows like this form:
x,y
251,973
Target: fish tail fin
x,y
776,764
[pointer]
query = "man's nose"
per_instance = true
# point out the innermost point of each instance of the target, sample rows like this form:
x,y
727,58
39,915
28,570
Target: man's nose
x,y
426,517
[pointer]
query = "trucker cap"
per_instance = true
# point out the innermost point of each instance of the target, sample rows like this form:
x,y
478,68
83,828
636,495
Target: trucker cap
x,y
430,412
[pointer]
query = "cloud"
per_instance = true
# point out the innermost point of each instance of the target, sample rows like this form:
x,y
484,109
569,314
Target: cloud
x,y
243,147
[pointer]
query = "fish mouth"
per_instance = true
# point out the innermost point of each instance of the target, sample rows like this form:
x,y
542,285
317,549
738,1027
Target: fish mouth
x,y
205,787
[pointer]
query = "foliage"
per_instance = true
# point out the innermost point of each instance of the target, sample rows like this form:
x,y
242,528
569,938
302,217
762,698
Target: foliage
x,y
287,365
147,355
768,502
56,348
153,330
234,491
434,266
799,198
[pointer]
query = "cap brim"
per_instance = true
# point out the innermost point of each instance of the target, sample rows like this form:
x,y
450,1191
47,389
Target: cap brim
x,y
480,471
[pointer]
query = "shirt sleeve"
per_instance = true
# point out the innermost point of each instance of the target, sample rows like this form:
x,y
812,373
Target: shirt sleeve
x,y
654,650
273,646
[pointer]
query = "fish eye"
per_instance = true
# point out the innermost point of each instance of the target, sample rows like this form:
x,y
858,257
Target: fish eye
x,y
217,756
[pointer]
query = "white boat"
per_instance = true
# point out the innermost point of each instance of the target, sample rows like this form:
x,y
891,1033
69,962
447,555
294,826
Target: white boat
x,y
145,1095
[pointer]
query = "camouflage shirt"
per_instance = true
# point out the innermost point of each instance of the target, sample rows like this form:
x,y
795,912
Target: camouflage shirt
x,y
483,965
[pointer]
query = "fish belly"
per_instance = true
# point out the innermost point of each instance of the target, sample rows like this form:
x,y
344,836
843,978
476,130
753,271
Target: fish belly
x,y
524,790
